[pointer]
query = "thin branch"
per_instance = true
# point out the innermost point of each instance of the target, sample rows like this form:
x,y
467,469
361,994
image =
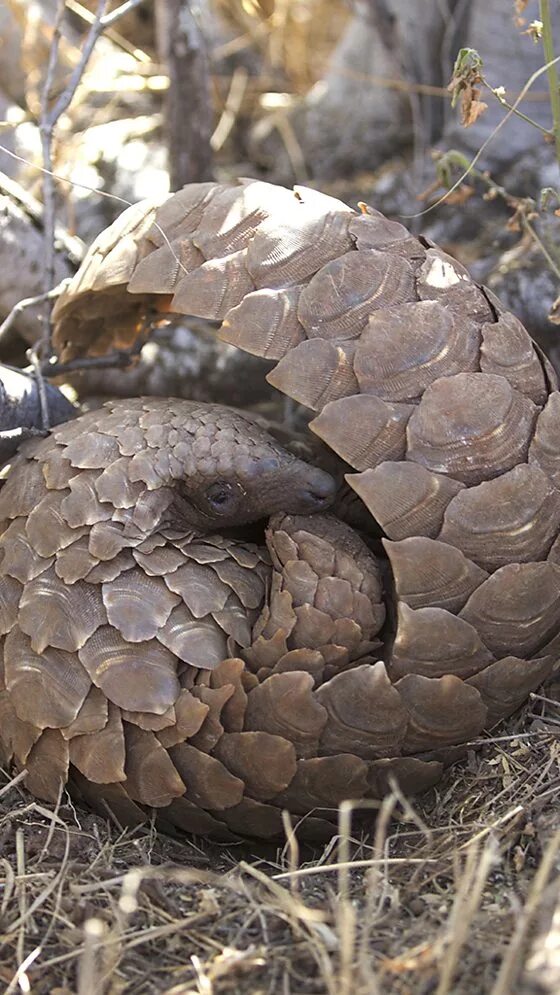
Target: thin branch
x,y
520,206
86,15
120,358
49,119
46,126
532,79
496,91
232,106
551,71
33,357
109,19
29,302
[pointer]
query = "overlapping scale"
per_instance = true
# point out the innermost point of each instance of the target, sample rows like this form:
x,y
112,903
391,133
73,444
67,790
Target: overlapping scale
x,y
372,230
508,350
149,721
364,430
264,762
433,642
126,599
199,641
100,755
519,606
410,774
165,266
212,729
442,711
10,599
75,562
514,517
232,673
92,451
57,470
209,783
292,248
47,528
181,217
316,372
434,574
47,689
505,684
471,426
138,676
284,705
215,287
17,737
80,507
92,717
265,323
233,216
22,491
190,713
47,766
325,782
544,449
365,715
406,499
56,614
338,300
151,777
441,277
397,366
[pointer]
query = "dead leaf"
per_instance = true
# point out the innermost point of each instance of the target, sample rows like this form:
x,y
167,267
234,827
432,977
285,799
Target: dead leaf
x,y
554,313
464,86
471,106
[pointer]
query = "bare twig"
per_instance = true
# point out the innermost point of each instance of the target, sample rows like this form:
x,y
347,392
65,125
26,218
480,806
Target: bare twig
x,y
525,209
33,357
515,951
118,39
46,128
231,109
551,72
29,302
120,358
50,115
497,92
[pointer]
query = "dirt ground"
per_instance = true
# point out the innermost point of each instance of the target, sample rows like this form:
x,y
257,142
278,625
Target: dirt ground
x,y
459,893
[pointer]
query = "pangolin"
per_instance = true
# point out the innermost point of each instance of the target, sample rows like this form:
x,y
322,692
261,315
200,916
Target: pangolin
x,y
309,671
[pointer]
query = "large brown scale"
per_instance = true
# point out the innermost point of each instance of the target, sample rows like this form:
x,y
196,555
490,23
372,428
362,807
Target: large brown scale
x,y
154,661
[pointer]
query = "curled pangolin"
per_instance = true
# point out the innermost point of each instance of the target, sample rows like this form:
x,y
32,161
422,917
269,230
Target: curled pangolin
x,y
272,679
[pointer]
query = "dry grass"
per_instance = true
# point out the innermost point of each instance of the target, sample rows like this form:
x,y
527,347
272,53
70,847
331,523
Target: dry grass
x,y
459,894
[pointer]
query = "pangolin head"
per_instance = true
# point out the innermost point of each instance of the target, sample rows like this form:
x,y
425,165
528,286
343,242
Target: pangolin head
x,y
183,465
237,473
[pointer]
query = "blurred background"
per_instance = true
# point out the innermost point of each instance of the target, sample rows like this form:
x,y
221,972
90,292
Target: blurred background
x,y
350,96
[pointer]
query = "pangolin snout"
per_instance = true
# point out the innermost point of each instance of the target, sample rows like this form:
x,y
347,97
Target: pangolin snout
x,y
316,492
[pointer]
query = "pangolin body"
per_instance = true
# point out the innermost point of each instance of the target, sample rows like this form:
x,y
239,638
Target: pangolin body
x,y
272,679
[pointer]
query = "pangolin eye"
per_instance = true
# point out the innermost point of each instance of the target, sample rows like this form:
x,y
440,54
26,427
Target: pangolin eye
x,y
221,496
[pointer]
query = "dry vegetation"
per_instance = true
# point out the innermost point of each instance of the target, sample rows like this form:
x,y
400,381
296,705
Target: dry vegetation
x,y
458,894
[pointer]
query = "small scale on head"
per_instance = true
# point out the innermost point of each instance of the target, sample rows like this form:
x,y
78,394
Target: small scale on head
x,y
239,474
218,465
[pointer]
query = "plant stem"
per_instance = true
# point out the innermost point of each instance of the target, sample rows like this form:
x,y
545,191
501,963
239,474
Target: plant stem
x,y
551,72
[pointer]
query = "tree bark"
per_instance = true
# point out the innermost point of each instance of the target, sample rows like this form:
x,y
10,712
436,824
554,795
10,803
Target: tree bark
x,y
188,105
